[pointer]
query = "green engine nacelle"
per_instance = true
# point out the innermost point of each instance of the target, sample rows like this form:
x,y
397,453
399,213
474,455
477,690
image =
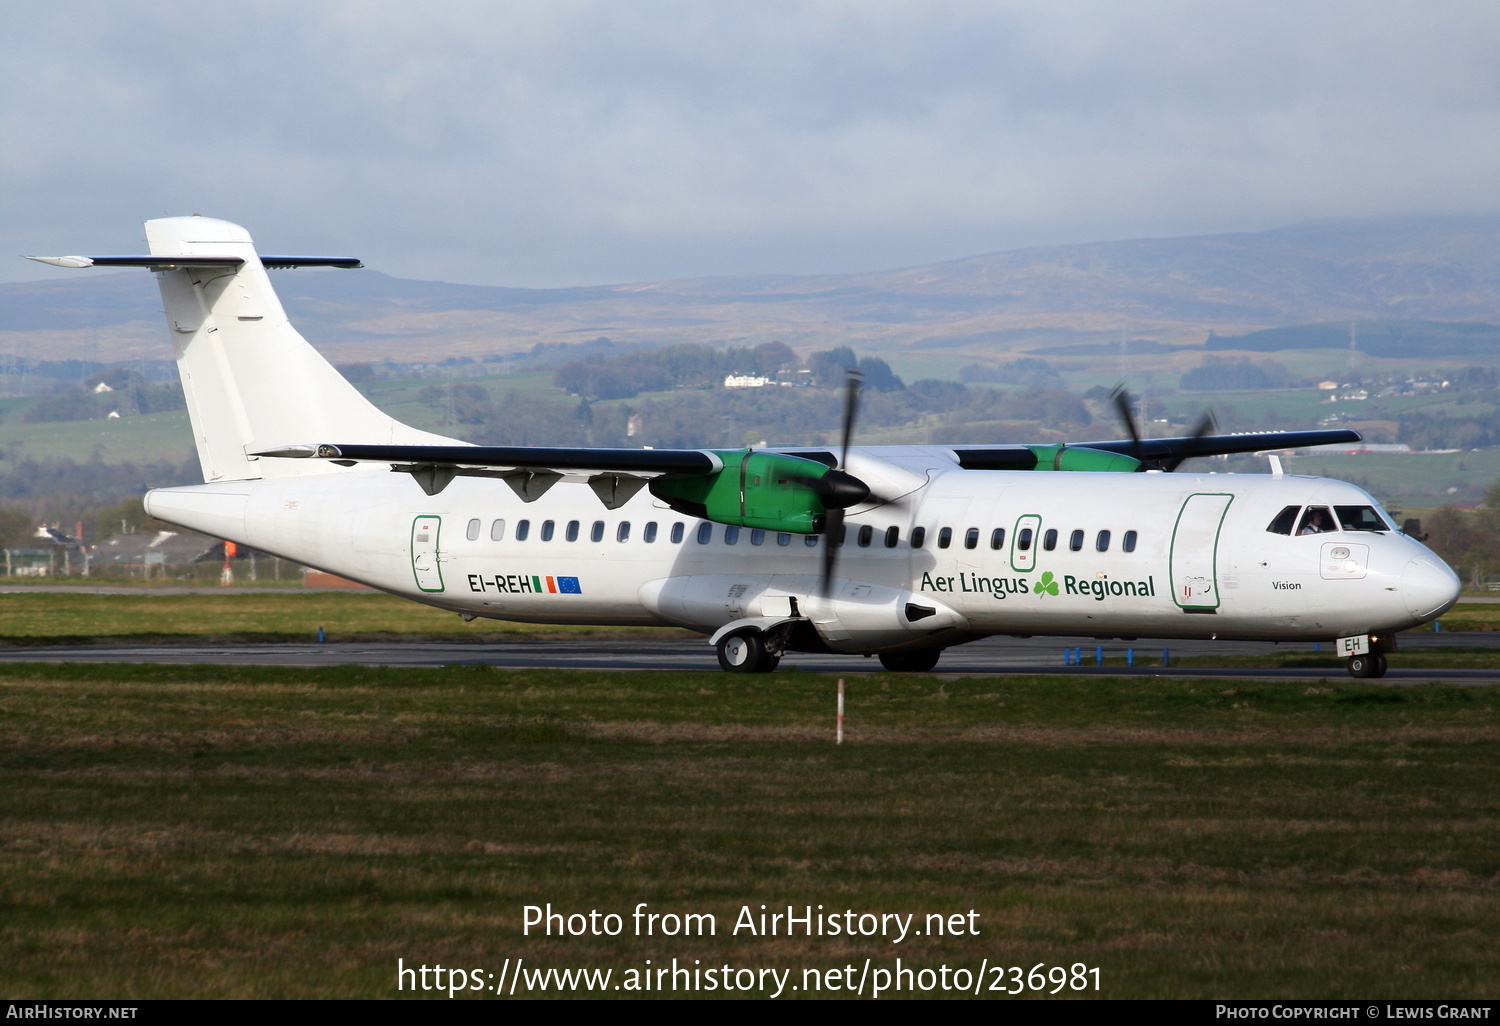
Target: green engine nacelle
x,y
761,489
1065,457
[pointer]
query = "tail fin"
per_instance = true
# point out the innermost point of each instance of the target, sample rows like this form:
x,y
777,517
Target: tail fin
x,y
252,382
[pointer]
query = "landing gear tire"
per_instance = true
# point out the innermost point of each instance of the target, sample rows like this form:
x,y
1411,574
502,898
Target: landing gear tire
x,y
745,652
911,662
1366,666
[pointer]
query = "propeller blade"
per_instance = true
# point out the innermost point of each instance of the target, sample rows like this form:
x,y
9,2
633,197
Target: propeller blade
x,y
839,489
852,383
1206,426
833,535
1121,400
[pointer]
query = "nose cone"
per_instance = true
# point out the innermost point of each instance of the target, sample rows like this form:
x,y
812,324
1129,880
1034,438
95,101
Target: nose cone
x,y
1429,587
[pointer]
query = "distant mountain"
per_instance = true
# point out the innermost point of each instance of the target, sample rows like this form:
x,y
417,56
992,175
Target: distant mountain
x,y
1161,290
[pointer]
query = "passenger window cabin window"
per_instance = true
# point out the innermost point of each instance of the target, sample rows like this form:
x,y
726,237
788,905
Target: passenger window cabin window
x,y
597,532
971,538
497,531
866,535
1128,542
1102,542
1023,539
945,537
997,538
571,532
1317,520
547,528
1284,521
783,539
649,535
677,533
757,536
622,533
811,541
731,535
472,533
705,532
1075,541
523,528
918,537
892,537
1049,539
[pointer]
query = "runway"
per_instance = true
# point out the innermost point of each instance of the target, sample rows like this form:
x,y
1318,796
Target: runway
x,y
988,657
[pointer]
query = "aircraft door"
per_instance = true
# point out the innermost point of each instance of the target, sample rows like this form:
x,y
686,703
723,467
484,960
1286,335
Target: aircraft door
x,y
1194,558
425,554
1024,541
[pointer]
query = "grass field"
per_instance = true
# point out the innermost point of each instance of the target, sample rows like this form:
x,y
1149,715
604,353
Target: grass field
x,y
152,436
221,831
59,617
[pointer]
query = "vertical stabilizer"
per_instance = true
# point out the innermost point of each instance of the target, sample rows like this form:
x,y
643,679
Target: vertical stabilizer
x,y
252,382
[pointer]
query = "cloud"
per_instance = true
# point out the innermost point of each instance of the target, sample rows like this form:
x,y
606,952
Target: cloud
x,y
573,142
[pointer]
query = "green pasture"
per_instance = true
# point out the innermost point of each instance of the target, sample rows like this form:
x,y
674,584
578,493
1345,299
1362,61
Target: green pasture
x,y
77,617
138,439
1414,479
253,832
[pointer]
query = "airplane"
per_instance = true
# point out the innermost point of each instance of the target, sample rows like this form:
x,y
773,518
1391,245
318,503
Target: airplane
x,y
896,551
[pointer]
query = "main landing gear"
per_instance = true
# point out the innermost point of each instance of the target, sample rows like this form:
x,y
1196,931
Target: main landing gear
x,y
1363,666
746,652
751,651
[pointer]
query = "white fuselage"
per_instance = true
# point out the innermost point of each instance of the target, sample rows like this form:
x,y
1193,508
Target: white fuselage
x,y
1202,562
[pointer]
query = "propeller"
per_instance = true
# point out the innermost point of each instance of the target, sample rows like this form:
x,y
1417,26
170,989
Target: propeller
x,y
837,489
1206,426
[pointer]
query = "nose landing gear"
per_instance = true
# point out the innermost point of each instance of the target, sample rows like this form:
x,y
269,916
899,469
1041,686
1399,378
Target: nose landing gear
x,y
1364,666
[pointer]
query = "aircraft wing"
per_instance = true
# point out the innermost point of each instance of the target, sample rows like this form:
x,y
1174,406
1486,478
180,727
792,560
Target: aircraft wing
x,y
1150,451
501,458
614,474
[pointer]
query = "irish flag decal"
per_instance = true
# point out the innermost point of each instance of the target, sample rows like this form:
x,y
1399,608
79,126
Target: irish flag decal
x,y
556,585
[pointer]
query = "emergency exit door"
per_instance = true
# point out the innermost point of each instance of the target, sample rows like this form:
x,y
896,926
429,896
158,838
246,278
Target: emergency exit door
x,y
425,554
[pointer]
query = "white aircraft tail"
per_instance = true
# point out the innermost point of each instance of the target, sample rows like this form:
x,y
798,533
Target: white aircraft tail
x,y
252,382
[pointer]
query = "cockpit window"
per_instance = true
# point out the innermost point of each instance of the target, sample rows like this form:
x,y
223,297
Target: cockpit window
x,y
1360,518
1316,520
1284,521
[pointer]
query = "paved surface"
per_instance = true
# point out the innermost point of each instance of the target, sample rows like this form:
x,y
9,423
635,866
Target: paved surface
x,y
147,590
991,656
292,589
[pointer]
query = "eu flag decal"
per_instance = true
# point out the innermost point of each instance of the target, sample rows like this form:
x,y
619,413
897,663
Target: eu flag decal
x,y
568,586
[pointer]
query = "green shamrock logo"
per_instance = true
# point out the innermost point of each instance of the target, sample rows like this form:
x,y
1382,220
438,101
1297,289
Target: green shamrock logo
x,y
1046,586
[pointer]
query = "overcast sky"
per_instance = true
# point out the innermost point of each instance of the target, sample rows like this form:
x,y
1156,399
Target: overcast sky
x,y
559,143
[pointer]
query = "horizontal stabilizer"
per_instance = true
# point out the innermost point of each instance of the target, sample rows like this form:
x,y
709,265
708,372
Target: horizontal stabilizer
x,y
171,263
